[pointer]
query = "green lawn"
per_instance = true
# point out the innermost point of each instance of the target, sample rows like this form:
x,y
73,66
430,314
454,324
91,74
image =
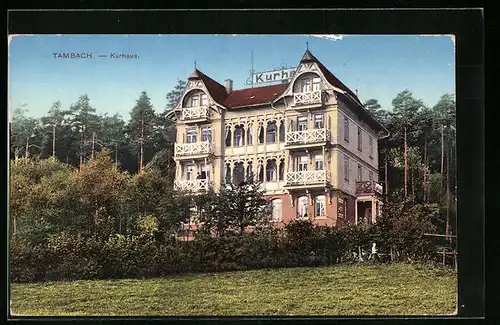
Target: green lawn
x,y
399,289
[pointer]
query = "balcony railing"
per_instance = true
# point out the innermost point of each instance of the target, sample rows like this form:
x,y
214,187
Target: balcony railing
x,y
193,149
308,98
195,185
307,137
195,113
309,177
368,187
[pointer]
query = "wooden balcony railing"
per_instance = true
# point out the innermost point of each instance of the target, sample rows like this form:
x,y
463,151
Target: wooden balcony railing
x,y
195,113
195,185
308,98
368,187
307,136
193,149
309,177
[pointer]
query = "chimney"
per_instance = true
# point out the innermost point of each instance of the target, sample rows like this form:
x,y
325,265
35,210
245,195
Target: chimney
x,y
229,85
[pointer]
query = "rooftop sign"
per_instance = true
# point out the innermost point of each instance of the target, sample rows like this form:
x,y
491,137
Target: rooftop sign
x,y
282,74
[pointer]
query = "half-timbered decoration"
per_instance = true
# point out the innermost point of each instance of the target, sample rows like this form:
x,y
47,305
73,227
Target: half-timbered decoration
x,y
292,138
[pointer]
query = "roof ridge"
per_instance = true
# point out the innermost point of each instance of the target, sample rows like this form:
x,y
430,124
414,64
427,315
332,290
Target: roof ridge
x,y
268,86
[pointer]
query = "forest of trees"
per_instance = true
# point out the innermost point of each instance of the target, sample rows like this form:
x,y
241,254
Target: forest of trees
x,y
417,161
75,134
78,179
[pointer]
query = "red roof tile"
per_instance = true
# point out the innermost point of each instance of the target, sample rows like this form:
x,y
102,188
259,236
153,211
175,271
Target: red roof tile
x,y
216,90
254,96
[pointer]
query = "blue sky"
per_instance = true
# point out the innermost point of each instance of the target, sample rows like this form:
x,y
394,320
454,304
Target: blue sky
x,y
377,66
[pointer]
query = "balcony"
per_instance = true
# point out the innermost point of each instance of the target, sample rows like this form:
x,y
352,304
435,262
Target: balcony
x,y
193,150
308,178
195,185
308,99
196,114
307,138
368,188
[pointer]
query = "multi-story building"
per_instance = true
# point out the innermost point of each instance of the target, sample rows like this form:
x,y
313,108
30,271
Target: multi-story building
x,y
310,143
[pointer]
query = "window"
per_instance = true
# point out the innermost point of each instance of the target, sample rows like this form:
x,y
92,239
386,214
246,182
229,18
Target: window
x,y
316,84
282,170
302,207
302,163
370,175
238,173
318,162
346,168
319,206
271,132
206,134
318,121
271,170
249,172
260,171
370,146
194,100
360,173
250,134
306,85
204,100
228,173
282,131
277,210
190,172
191,136
205,171
260,132
346,129
228,135
302,123
239,135
360,139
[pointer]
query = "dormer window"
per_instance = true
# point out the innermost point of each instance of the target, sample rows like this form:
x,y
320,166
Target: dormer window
x,y
194,101
204,100
306,85
316,82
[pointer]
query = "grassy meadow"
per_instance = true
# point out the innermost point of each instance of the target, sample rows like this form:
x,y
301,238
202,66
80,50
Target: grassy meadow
x,y
343,290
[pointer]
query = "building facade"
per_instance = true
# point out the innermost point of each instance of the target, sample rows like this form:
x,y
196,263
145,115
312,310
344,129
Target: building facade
x,y
309,142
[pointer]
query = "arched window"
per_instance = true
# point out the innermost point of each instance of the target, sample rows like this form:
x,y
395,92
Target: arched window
x,y
282,170
239,136
277,210
250,134
302,207
319,206
271,170
228,135
282,131
249,172
228,173
271,132
260,132
260,171
238,173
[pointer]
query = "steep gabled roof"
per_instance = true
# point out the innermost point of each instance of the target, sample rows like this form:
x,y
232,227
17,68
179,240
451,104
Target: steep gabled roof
x,y
254,96
216,90
334,81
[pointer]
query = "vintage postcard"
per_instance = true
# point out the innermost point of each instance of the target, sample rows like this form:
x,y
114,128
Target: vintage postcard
x,y
232,175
